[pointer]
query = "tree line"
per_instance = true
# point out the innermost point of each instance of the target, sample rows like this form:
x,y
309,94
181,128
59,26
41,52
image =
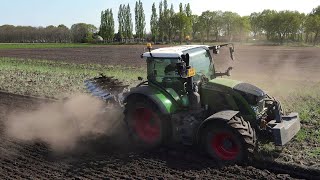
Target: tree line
x,y
78,33
28,34
284,26
166,25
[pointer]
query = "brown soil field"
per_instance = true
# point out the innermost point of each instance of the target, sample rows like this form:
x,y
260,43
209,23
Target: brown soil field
x,y
129,55
253,63
110,55
112,157
271,67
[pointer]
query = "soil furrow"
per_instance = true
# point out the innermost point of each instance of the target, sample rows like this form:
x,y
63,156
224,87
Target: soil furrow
x,y
36,161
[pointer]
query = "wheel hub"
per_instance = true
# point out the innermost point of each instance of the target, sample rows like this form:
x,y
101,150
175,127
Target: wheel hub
x,y
146,125
225,146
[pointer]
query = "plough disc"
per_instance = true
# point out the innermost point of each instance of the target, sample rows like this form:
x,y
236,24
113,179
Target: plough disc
x,y
107,88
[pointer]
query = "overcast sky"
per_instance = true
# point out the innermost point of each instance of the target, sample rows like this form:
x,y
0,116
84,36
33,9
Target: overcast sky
x,y
68,12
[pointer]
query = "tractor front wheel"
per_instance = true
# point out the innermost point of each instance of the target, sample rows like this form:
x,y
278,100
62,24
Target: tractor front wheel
x,y
229,142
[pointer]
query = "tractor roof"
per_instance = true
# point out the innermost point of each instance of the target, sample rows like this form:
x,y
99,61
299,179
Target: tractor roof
x,y
171,52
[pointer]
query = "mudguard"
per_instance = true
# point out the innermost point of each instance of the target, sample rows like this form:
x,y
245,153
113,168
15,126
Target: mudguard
x,y
166,105
225,115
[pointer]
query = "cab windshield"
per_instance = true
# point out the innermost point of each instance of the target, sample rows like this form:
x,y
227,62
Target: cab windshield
x,y
160,69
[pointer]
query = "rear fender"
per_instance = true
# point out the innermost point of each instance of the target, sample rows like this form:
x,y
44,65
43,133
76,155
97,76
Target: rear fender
x,y
166,105
222,115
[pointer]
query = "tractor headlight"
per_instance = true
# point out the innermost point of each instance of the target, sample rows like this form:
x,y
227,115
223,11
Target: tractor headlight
x,y
255,109
261,105
259,108
257,103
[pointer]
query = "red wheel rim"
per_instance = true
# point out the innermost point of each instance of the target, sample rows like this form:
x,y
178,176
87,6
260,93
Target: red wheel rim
x,y
146,125
225,146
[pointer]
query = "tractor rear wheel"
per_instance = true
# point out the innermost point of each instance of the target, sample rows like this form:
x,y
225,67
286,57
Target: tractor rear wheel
x,y
229,141
146,124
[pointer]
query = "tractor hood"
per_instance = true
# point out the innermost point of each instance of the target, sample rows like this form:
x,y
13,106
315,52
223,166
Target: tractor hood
x,y
249,89
237,85
225,82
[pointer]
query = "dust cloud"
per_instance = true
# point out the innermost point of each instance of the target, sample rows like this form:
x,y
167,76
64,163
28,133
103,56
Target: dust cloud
x,y
278,70
63,124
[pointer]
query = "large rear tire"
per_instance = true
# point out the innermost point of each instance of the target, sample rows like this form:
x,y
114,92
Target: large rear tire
x,y
229,141
147,126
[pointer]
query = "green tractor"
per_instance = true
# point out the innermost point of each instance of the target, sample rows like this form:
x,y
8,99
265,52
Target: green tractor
x,y
184,100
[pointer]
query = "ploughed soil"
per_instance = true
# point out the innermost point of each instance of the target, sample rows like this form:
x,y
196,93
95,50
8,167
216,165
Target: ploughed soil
x,y
272,68
256,64
128,55
113,157
268,57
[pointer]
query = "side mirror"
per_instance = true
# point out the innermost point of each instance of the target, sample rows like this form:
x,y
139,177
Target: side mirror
x,y
231,49
228,72
182,69
215,50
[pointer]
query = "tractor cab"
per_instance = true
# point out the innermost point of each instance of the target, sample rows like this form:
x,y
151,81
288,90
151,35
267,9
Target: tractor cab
x,y
181,69
167,68
163,64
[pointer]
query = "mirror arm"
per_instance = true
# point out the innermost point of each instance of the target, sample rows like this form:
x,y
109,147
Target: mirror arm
x,y
226,73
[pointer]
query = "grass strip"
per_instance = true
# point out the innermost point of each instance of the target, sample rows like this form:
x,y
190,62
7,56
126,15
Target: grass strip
x,y
41,45
56,79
